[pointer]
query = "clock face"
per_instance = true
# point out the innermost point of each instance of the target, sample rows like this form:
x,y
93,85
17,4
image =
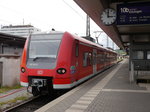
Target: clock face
x,y
108,16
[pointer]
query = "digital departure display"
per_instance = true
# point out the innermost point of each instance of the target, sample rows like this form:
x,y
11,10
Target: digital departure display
x,y
133,13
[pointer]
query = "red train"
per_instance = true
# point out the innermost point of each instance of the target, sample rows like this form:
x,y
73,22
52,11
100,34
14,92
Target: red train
x,y
57,60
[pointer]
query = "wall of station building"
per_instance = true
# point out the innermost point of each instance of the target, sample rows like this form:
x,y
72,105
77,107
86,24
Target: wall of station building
x,y
9,70
11,50
10,57
140,56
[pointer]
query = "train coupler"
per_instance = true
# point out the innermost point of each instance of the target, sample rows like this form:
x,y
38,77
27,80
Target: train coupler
x,y
39,82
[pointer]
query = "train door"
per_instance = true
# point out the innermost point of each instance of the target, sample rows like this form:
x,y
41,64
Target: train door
x,y
105,59
77,59
94,61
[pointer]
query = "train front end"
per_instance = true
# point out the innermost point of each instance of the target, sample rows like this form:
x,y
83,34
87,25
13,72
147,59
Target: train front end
x,y
39,61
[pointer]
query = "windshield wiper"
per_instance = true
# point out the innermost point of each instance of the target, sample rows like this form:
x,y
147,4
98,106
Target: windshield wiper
x,y
35,58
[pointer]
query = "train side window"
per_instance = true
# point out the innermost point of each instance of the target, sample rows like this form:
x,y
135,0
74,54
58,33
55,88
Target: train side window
x,y
77,49
90,58
148,54
138,55
85,57
103,57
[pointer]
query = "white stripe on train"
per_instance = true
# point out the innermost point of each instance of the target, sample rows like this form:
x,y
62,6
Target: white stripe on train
x,y
65,86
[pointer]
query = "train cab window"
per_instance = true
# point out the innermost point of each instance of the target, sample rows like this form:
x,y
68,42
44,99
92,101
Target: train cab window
x,y
43,50
148,54
44,46
138,55
77,50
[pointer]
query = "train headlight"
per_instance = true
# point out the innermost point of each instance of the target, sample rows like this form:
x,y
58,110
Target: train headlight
x,y
61,71
23,69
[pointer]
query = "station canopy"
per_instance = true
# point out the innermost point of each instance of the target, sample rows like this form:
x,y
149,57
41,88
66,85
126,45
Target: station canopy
x,y
12,40
136,19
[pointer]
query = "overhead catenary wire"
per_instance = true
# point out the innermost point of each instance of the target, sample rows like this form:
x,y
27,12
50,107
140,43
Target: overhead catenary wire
x,y
74,10
16,13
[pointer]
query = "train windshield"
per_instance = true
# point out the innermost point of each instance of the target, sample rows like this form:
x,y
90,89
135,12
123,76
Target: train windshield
x,y
43,50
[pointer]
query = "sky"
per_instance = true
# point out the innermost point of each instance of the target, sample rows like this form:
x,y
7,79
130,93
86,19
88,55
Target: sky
x,y
62,15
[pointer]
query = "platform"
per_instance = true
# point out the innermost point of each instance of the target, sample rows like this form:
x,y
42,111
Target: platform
x,y
109,91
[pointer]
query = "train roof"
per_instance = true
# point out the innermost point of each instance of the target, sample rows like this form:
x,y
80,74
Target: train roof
x,y
81,39
91,43
50,32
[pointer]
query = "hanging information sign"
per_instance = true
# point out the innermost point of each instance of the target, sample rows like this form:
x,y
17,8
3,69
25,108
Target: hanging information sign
x,y
133,13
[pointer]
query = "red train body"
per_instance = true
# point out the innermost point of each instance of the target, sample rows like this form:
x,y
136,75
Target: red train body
x,y
60,61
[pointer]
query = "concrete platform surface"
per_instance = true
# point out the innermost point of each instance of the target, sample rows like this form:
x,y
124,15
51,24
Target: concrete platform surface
x,y
109,91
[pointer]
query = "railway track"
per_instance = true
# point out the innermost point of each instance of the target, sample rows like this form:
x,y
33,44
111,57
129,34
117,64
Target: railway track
x,y
37,102
34,103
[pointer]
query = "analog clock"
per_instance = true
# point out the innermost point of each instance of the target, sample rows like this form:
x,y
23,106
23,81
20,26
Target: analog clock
x,y
108,16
